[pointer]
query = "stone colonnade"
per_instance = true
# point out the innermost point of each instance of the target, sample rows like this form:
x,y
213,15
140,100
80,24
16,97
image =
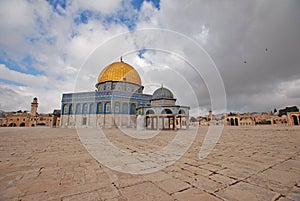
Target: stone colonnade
x,y
166,121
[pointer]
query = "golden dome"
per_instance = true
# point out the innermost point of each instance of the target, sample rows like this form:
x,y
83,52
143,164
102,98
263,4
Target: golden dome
x,y
119,71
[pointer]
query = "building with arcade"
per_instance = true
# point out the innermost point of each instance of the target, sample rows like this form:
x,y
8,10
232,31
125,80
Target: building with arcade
x,y
117,102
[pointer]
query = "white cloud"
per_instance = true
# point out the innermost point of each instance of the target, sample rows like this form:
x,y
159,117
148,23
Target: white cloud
x,y
202,37
47,89
106,7
232,32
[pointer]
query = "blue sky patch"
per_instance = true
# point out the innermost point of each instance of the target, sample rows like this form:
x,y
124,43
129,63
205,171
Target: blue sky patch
x,y
141,52
137,4
55,3
42,28
58,4
123,16
9,82
83,16
24,66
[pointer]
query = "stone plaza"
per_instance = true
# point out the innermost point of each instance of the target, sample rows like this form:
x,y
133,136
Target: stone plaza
x,y
247,163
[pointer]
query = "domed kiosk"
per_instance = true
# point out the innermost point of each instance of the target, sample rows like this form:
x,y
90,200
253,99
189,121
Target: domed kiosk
x,y
163,113
117,101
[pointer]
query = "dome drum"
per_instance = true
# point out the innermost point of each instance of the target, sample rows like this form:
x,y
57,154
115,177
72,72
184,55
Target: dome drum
x,y
163,96
119,72
162,93
119,86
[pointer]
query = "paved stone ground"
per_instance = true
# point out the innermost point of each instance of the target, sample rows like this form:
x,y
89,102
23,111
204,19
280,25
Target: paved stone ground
x,y
248,163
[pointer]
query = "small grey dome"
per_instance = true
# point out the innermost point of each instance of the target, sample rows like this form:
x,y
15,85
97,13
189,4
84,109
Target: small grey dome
x,y
162,93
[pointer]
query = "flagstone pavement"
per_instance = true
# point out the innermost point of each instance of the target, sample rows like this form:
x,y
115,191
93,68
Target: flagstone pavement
x,y
247,163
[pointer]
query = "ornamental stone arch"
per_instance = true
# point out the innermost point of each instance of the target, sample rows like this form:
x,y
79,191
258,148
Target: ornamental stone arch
x,y
163,110
150,111
181,111
167,111
175,110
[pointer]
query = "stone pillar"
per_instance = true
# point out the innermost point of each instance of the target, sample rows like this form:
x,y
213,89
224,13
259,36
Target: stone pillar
x,y
152,123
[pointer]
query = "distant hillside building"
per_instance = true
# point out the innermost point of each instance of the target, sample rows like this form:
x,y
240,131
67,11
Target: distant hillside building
x,y
32,119
249,119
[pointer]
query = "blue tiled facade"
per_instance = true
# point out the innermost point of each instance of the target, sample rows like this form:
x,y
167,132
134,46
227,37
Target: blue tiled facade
x,y
109,102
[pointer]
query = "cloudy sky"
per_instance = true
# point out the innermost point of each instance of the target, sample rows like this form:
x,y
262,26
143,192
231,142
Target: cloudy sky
x,y
249,48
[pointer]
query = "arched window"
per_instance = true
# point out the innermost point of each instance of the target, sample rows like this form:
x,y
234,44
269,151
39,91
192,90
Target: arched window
x,y
117,107
78,108
85,108
107,107
99,108
65,108
92,108
132,108
125,108
71,109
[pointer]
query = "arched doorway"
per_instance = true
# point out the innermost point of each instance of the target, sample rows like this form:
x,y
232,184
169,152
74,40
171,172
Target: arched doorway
x,y
12,125
132,108
231,122
236,121
167,119
22,124
295,119
150,121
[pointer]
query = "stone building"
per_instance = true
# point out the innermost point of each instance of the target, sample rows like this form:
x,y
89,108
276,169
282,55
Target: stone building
x,y
252,119
32,119
293,118
118,96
